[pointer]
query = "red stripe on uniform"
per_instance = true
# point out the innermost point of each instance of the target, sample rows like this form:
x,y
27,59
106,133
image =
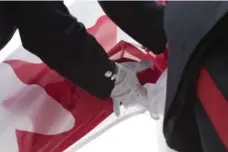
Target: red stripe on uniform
x,y
215,105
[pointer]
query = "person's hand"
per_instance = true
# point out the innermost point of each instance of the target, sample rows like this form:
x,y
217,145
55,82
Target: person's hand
x,y
157,96
127,90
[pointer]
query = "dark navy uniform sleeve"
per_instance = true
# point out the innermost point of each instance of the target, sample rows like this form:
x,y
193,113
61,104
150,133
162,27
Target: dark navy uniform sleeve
x,y
142,20
48,30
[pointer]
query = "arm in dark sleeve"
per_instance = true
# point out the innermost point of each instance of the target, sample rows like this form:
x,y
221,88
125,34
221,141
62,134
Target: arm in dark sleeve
x,y
142,20
49,31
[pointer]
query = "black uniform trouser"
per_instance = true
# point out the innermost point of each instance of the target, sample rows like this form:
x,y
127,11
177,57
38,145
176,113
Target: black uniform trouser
x,y
216,64
209,139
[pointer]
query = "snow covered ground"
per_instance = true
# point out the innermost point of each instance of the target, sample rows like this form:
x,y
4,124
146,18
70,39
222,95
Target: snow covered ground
x,y
137,134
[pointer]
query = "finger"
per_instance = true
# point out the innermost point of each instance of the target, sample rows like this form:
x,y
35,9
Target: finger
x,y
142,94
116,107
138,66
154,116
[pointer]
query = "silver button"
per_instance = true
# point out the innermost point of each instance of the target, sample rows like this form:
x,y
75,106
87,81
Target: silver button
x,y
113,77
108,74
